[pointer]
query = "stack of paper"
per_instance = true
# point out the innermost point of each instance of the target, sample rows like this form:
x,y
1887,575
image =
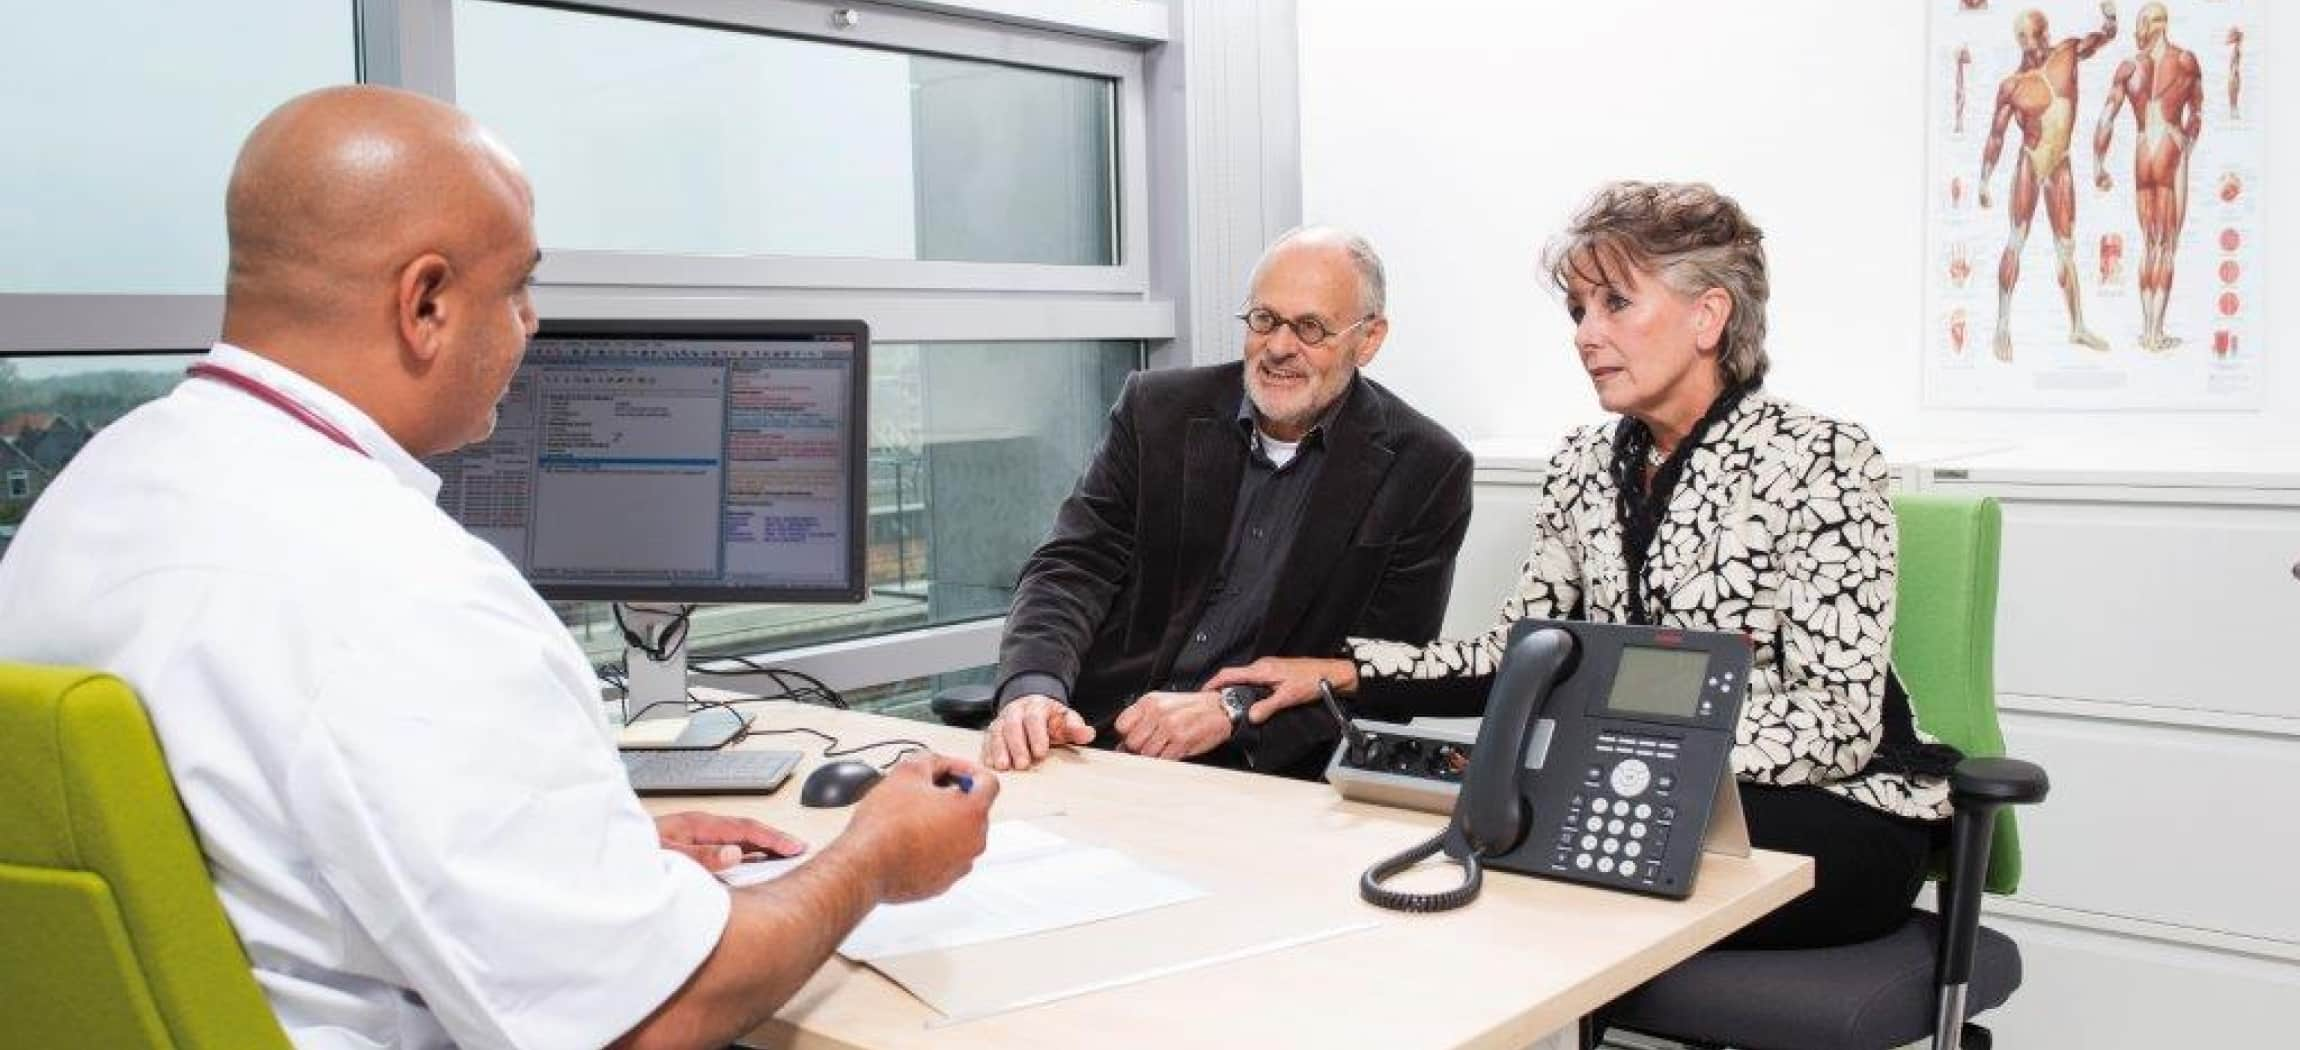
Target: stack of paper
x,y
1028,880
1014,932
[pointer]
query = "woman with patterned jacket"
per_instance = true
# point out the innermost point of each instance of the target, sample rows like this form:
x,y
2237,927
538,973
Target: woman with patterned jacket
x,y
1731,510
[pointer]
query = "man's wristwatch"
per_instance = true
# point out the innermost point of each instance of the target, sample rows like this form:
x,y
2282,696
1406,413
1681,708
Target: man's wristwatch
x,y
1237,699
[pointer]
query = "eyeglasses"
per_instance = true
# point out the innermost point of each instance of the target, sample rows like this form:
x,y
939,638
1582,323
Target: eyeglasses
x,y
1310,330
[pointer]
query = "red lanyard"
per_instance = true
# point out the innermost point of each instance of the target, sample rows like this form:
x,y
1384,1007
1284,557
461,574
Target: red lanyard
x,y
269,396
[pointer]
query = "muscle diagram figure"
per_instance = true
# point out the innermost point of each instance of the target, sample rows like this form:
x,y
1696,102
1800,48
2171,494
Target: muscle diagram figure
x,y
2111,259
2235,67
2165,86
1964,58
2041,96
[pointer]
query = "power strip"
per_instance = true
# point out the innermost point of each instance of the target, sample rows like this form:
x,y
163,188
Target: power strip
x,y
1416,767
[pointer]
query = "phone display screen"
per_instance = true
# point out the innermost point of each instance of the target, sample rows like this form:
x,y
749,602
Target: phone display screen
x,y
1655,681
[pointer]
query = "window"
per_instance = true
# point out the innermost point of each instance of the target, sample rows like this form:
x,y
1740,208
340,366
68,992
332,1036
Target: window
x,y
649,136
51,404
975,192
975,187
972,447
122,120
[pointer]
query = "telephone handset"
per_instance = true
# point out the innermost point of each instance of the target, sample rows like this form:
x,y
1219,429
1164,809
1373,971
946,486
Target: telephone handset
x,y
1603,750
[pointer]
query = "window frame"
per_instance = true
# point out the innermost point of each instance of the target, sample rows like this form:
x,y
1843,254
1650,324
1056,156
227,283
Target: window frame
x,y
409,43
1142,297
19,483
427,26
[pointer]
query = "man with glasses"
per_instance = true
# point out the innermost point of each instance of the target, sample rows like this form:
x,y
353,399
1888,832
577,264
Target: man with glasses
x,y
1274,505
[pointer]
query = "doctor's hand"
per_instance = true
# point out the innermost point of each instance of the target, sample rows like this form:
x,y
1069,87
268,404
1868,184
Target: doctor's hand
x,y
717,842
1173,725
920,829
1029,727
1291,680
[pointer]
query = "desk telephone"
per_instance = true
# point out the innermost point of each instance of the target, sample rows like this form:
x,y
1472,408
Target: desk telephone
x,y
1603,750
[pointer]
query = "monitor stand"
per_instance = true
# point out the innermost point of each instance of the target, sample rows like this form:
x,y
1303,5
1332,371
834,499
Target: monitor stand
x,y
652,681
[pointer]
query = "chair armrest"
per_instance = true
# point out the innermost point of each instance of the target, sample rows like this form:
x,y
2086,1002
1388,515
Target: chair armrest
x,y
965,706
1977,790
1993,782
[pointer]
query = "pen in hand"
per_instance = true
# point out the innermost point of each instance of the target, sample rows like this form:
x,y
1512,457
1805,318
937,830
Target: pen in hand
x,y
961,781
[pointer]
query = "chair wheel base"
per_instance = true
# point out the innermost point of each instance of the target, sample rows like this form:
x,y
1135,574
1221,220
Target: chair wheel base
x,y
1975,1037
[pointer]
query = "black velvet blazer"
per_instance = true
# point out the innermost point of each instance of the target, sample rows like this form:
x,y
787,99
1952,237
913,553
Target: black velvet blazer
x,y
1106,602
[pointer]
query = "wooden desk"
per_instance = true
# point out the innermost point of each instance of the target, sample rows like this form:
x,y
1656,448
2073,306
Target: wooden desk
x,y
1516,968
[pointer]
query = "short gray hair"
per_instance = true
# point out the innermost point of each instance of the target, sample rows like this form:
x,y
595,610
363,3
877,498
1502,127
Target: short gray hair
x,y
1373,285
1689,235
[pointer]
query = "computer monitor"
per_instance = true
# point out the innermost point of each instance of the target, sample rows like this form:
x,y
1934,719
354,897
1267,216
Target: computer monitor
x,y
677,461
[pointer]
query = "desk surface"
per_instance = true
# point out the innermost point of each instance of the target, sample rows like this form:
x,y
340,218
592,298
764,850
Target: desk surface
x,y
1529,957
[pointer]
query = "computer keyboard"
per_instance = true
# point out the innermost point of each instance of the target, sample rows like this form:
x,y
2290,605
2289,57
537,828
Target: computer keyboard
x,y
736,772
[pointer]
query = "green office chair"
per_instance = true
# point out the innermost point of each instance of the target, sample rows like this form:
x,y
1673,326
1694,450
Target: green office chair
x,y
1924,980
114,935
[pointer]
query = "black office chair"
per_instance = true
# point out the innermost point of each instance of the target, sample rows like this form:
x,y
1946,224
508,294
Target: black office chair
x,y
1927,978
1890,992
965,706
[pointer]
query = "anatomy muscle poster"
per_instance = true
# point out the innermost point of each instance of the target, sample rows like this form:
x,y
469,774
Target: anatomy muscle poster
x,y
2094,194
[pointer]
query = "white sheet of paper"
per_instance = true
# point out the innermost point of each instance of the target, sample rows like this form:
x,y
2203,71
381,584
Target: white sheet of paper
x,y
1028,880
759,871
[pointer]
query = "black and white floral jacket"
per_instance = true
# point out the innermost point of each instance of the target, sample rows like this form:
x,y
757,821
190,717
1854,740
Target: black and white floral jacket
x,y
1780,528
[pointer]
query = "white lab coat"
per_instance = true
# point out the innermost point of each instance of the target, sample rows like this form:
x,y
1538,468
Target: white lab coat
x,y
390,748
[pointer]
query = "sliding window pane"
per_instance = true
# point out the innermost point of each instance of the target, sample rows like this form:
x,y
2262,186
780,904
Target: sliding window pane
x,y
122,118
650,136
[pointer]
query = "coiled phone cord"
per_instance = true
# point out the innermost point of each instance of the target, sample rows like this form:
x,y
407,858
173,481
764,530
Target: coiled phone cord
x,y
1473,878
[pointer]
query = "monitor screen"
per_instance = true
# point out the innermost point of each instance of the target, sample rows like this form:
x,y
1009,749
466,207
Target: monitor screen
x,y
1658,681
699,461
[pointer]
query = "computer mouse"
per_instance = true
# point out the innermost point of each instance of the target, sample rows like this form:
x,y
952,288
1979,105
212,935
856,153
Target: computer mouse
x,y
840,783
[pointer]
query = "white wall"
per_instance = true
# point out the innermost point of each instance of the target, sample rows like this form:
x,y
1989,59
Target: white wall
x,y
1460,137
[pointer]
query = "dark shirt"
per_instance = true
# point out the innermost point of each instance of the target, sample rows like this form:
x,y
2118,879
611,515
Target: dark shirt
x,y
1262,527
1263,523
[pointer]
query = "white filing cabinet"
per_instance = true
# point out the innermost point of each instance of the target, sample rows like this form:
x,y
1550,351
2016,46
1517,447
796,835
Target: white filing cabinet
x,y
2148,656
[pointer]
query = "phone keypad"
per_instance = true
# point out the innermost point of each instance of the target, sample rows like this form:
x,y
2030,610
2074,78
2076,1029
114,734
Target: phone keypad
x,y
1619,824
1614,836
